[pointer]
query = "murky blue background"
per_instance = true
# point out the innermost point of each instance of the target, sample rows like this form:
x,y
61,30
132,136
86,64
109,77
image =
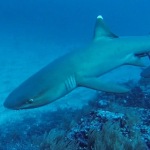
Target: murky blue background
x,y
34,32
72,19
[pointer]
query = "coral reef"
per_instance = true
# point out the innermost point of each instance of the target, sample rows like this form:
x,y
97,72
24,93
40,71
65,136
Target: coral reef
x,y
110,122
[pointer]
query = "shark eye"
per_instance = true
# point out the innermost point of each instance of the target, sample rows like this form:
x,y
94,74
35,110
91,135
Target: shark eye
x,y
30,101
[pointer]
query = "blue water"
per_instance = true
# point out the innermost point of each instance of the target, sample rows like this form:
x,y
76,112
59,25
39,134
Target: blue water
x,y
64,19
34,32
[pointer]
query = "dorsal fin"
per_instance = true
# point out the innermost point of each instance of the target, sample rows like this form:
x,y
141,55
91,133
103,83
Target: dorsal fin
x,y
101,30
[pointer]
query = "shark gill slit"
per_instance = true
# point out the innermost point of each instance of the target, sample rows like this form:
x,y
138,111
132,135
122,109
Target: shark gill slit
x,y
70,83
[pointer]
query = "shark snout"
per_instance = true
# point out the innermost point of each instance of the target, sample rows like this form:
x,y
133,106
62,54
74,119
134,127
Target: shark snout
x,y
13,102
10,105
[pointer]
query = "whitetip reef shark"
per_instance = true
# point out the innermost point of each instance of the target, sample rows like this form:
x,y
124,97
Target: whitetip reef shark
x,y
81,68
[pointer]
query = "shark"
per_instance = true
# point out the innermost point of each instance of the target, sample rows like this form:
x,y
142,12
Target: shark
x,y
81,68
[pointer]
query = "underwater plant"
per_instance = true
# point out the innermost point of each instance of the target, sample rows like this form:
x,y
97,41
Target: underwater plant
x,y
105,123
111,138
56,140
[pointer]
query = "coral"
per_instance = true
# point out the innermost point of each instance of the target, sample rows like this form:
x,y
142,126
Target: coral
x,y
107,122
111,138
56,140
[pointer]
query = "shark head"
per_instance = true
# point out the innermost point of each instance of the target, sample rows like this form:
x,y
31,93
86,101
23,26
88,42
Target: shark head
x,y
26,96
16,102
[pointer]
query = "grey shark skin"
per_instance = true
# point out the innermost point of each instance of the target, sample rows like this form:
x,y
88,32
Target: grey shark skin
x,y
81,68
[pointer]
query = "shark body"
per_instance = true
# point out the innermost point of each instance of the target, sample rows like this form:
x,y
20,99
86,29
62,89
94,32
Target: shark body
x,y
81,67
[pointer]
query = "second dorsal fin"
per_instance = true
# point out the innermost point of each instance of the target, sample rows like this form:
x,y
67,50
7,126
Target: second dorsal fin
x,y
101,30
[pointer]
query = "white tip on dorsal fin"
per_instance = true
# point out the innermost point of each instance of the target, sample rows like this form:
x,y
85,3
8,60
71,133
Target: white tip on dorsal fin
x,y
101,30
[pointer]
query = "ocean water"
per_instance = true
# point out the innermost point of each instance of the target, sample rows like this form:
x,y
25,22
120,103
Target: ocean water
x,y
35,32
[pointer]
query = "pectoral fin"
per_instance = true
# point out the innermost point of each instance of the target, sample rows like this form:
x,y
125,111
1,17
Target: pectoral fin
x,y
96,84
132,59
